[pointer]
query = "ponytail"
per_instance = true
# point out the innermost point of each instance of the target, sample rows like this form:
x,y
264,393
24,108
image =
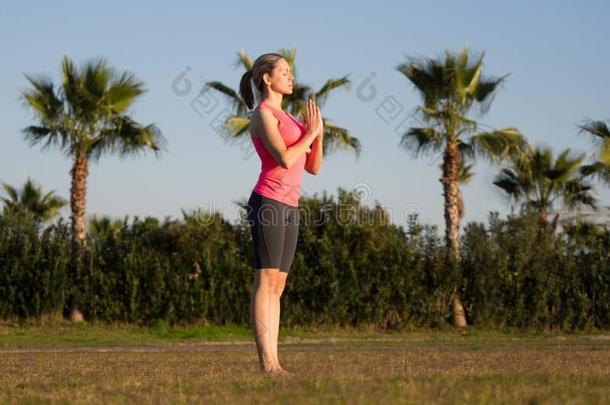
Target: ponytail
x,y
245,89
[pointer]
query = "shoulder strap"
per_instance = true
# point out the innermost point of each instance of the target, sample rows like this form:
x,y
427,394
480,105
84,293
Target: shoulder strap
x,y
273,111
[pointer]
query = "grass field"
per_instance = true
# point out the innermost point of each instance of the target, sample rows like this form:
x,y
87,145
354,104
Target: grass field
x,y
61,363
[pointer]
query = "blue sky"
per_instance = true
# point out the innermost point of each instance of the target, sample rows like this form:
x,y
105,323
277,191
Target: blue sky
x,y
557,54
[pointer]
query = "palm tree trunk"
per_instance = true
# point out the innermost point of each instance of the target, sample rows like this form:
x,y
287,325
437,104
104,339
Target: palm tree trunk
x,y
542,217
78,191
452,195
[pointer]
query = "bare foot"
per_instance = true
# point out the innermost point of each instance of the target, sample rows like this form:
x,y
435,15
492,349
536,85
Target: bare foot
x,y
269,368
286,372
277,372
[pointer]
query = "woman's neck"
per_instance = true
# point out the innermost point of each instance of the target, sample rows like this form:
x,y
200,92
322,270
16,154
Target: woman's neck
x,y
274,100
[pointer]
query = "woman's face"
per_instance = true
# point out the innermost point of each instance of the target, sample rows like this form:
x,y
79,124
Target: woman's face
x,y
281,77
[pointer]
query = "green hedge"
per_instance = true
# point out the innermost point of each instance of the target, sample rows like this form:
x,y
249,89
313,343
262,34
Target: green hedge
x,y
352,266
33,266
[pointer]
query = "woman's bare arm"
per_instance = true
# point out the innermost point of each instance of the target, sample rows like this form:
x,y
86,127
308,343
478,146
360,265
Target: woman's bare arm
x,y
264,124
313,164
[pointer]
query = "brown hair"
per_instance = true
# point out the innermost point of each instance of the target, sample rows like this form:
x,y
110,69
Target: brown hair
x,y
263,64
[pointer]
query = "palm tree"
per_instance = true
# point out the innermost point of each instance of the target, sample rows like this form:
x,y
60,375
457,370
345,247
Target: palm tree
x,y
104,227
238,123
86,116
450,87
537,180
31,199
601,137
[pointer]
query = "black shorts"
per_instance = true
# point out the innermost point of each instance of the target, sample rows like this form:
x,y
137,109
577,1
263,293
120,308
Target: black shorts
x,y
275,228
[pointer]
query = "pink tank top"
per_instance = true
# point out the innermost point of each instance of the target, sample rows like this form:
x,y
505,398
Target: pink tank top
x,y
274,181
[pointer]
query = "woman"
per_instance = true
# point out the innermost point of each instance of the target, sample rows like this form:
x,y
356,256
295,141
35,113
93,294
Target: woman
x,y
286,148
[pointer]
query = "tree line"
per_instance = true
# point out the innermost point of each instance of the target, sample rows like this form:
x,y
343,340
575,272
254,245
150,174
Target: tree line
x,y
87,115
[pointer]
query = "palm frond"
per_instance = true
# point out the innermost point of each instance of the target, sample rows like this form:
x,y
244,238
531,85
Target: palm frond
x,y
49,111
125,137
422,141
46,136
337,138
429,78
237,125
601,138
465,172
123,91
498,144
486,90
12,193
565,166
509,181
597,128
322,95
244,60
71,86
577,193
590,169
96,76
237,105
466,75
466,150
43,99
100,227
604,155
598,170
51,204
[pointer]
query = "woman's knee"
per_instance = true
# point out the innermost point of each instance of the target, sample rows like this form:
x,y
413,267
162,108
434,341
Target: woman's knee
x,y
266,280
270,280
280,283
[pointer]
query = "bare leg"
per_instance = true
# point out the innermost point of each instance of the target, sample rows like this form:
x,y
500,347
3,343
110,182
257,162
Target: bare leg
x,y
261,316
275,314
